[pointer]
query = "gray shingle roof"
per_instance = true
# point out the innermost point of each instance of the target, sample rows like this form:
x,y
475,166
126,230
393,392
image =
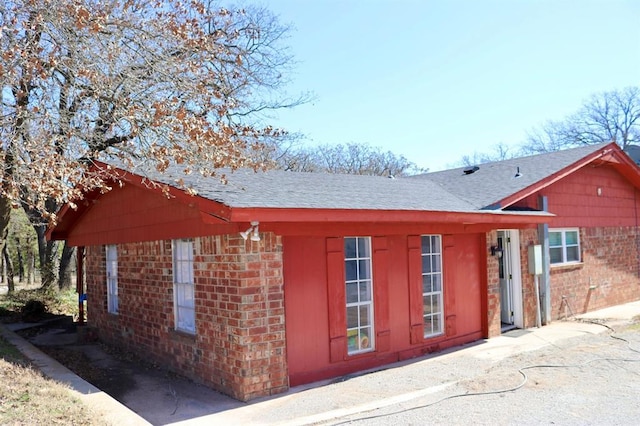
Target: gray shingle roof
x,y
496,181
633,151
281,189
446,191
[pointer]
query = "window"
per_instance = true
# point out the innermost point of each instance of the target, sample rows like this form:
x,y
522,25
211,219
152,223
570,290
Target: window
x,y
564,246
183,286
112,278
432,284
359,294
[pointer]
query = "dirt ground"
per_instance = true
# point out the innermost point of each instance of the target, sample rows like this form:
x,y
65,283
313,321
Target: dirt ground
x,y
113,378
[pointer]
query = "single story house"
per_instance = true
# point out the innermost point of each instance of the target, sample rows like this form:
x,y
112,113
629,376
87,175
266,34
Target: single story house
x,y
276,278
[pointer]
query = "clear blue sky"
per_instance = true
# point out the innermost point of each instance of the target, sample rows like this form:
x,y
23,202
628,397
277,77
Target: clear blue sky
x,y
435,80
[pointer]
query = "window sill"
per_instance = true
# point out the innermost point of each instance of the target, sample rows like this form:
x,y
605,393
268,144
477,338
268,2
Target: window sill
x,y
567,265
360,353
182,335
432,336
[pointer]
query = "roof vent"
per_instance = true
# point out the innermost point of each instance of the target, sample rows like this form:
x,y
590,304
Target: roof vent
x,y
470,170
518,174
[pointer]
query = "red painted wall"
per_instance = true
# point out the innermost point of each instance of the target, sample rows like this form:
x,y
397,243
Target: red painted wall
x,y
575,200
311,297
463,280
131,213
306,315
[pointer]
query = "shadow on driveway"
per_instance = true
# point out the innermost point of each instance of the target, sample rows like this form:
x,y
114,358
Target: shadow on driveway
x,y
157,395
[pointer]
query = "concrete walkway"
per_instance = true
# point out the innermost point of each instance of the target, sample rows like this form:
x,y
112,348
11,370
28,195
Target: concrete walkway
x,y
331,400
103,405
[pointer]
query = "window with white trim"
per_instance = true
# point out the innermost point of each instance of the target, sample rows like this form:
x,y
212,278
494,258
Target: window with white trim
x,y
432,285
359,294
183,286
564,246
111,255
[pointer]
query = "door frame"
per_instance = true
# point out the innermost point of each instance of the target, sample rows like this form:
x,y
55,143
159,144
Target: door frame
x,y
515,266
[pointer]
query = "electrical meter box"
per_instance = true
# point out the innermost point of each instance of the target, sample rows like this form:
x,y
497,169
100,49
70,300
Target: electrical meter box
x,y
535,259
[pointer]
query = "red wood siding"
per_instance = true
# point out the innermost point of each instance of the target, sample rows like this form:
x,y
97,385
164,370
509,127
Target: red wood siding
x,y
315,302
575,200
415,289
132,213
463,284
381,274
305,269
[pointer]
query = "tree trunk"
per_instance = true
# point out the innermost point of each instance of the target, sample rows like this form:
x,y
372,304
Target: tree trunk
x,y
5,215
46,255
3,270
31,268
20,261
7,261
64,278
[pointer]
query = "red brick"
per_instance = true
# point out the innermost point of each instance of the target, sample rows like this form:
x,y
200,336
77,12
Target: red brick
x,y
234,280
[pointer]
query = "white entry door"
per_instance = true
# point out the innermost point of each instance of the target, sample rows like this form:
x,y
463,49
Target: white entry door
x,y
511,313
505,271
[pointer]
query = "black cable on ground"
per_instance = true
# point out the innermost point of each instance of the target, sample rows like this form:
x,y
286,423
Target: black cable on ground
x,y
612,335
525,378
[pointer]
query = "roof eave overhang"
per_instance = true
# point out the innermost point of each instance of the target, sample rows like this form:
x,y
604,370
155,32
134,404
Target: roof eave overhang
x,y
310,215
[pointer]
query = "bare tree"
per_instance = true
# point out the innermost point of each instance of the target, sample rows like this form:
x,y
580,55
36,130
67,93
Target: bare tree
x,y
500,151
136,81
352,158
605,117
362,159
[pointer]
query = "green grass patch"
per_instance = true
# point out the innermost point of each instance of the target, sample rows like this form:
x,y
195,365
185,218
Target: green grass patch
x,y
58,302
10,353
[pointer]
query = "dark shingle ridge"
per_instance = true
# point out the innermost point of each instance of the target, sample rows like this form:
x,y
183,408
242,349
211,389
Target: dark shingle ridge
x,y
497,180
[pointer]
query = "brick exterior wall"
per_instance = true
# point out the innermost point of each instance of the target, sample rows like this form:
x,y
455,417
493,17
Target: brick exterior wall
x,y
607,276
493,289
528,237
239,347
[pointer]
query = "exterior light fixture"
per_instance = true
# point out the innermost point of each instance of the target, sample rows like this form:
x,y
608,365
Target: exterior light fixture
x,y
255,235
496,251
